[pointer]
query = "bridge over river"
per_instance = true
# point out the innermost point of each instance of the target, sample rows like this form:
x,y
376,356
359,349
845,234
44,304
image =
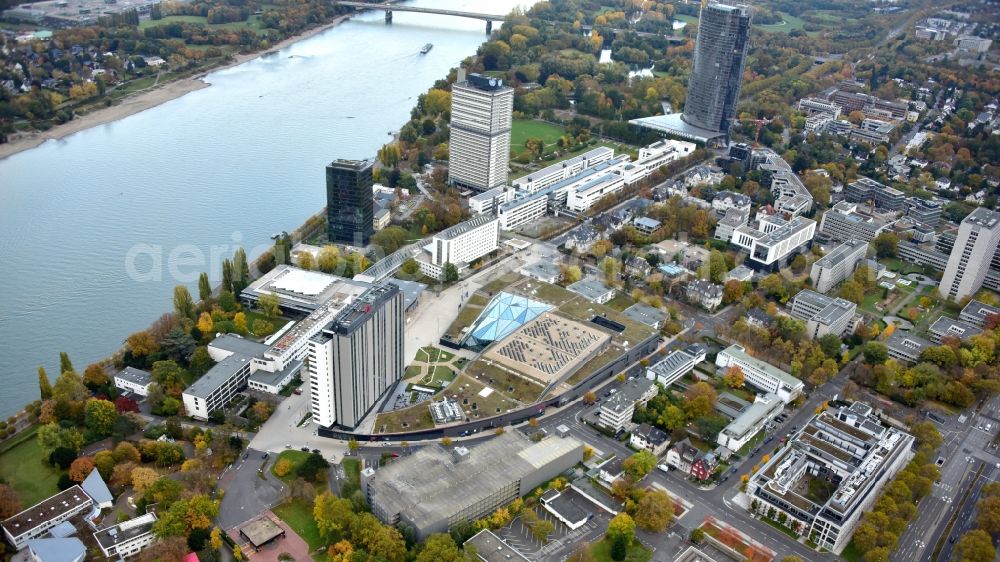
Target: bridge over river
x,y
390,8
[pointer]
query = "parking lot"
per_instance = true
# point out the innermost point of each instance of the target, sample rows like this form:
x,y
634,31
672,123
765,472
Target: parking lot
x,y
563,540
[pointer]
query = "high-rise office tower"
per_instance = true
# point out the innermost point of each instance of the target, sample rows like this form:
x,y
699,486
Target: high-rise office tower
x,y
717,72
977,240
349,201
355,360
479,148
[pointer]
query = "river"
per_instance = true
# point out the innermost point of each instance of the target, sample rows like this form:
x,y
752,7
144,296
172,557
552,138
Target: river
x,y
97,228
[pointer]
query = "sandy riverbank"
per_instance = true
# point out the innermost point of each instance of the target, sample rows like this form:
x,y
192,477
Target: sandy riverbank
x,y
142,101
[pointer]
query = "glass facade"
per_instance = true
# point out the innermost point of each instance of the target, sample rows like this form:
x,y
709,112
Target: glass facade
x,y
349,201
720,51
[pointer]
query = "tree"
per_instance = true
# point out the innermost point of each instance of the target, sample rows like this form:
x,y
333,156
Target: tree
x,y
886,245
51,436
104,462
672,418
81,468
205,323
732,291
830,344
410,266
215,539
639,465
700,400
183,303
988,517
329,255
94,376
10,505
100,416
185,515
734,377
975,546
450,273
126,452
716,266
283,468
237,553
542,529
440,547
64,363
791,558
62,457
926,433
572,274
240,322
852,291
306,261
269,305
44,388
142,344
310,468
611,268
69,388
227,278
332,514
655,511
241,271
621,528
169,375
390,238
589,397
875,353
204,287
143,477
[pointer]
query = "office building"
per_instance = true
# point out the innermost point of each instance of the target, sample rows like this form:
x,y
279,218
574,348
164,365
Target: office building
x,y
838,265
760,374
645,314
536,181
593,290
677,364
924,211
846,221
479,148
491,548
59,549
773,241
216,388
791,198
945,327
883,197
616,411
134,380
490,201
750,422
355,359
460,245
716,75
852,452
904,346
977,240
349,206
435,488
977,313
126,538
822,314
36,521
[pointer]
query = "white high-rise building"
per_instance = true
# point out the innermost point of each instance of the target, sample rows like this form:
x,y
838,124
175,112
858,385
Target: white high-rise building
x,y
357,358
460,245
479,148
970,257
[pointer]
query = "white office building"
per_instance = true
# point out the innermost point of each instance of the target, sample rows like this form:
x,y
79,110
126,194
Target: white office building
x,y
582,197
479,148
679,363
134,380
773,240
823,314
490,201
828,271
760,374
969,262
460,245
539,180
748,424
519,212
126,538
357,358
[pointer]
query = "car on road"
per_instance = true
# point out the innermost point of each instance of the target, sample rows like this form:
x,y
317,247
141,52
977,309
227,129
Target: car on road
x,y
304,449
245,455
316,451
288,446
297,391
265,455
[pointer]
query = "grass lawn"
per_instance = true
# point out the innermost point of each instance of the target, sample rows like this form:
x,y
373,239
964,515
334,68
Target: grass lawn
x,y
276,323
253,22
23,466
689,19
851,553
299,516
431,354
415,417
352,469
296,457
601,551
500,380
465,319
620,302
790,23
523,129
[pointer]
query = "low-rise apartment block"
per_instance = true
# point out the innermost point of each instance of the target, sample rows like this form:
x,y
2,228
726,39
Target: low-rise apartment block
x,y
977,312
677,364
760,374
126,538
849,449
134,380
747,425
616,411
37,520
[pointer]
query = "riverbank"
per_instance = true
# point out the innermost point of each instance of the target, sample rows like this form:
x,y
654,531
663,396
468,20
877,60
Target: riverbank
x,y
147,99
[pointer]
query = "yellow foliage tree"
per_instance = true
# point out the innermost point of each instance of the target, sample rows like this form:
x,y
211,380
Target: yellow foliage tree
x,y
205,323
283,467
240,322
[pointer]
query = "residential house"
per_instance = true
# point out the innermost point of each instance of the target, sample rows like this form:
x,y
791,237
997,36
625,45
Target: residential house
x,y
704,293
652,439
703,467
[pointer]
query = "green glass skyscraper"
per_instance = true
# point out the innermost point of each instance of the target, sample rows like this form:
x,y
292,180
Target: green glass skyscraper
x,y
349,201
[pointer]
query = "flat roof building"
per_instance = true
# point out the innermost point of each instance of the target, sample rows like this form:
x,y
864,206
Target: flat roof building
x,y
491,548
823,314
37,520
850,450
773,240
945,327
645,314
748,424
969,262
846,221
126,538
261,531
904,346
616,411
677,364
460,245
540,179
436,488
593,290
977,312
760,374
134,380
349,206
835,267
479,147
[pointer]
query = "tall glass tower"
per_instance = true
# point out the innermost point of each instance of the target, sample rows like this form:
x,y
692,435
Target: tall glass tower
x,y
349,201
719,54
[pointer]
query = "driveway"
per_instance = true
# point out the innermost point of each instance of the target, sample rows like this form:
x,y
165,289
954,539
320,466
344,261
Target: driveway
x,y
247,494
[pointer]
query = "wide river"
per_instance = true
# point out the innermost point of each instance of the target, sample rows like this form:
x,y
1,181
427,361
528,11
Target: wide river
x,y
96,229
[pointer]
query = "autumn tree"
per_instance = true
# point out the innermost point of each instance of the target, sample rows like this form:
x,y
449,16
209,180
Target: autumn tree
x,y
183,303
734,377
621,528
332,514
142,478
104,462
439,547
307,261
64,363
69,387
283,468
269,305
589,397
205,323
655,511
185,515
81,468
204,287
94,376
142,344
10,505
44,387
100,416
700,400
639,465
542,529
329,255
126,452
975,546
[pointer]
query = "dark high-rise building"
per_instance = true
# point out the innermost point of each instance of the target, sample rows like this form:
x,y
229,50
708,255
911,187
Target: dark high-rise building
x,y
349,201
719,54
